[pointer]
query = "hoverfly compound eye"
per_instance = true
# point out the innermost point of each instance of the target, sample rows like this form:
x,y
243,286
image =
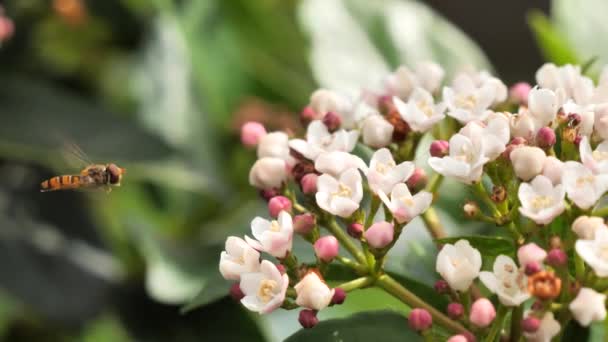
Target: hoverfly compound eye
x,y
115,173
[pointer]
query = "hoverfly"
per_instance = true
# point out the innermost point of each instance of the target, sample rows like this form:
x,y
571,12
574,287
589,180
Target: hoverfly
x,y
92,177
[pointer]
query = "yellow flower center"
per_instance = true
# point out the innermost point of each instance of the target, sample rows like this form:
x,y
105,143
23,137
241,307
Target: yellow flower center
x,y
466,101
582,181
541,202
425,108
275,226
384,168
343,191
407,201
600,155
266,289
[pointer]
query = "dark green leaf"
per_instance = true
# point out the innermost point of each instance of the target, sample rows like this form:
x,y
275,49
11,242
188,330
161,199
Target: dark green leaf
x,y
214,288
422,290
362,327
552,43
487,245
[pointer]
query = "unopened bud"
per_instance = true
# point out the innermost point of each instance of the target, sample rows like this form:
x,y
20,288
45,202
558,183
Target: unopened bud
x,y
441,286
519,92
278,204
439,148
301,169
482,312
471,209
307,115
557,258
532,268
308,184
417,180
332,121
326,248
251,133
380,234
7,28
308,318
455,310
530,324
499,194
355,230
304,223
555,242
267,194
420,319
545,138
235,292
515,142
281,268
339,296
527,161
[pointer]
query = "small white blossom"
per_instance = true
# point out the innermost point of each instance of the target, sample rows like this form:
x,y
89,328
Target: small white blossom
x,y
493,136
313,293
595,252
403,205
540,200
585,226
586,114
549,328
268,172
459,264
523,125
275,144
553,169
273,237
600,121
464,162
427,75
340,196
528,161
319,139
383,174
582,186
507,281
595,160
543,105
569,79
588,306
376,131
238,258
336,162
323,101
420,112
265,290
466,102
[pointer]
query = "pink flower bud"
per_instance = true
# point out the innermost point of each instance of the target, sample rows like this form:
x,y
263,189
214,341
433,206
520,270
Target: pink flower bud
x,y
326,248
420,319
267,194
417,180
515,142
482,313
236,293
308,183
530,324
530,253
442,286
519,92
380,234
355,230
557,258
458,338
304,223
278,204
545,137
455,310
7,28
308,318
251,133
439,148
281,268
332,121
339,296
532,268
308,114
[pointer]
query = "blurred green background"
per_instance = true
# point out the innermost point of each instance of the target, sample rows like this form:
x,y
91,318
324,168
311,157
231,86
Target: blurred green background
x,y
161,87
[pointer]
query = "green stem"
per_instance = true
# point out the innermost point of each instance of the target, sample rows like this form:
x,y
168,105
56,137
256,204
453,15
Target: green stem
x,y
345,240
375,205
433,224
497,324
517,237
579,267
601,212
516,317
481,192
355,284
434,183
394,288
361,269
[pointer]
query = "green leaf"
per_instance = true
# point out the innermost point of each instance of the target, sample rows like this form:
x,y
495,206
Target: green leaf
x,y
422,290
361,327
554,47
489,246
214,288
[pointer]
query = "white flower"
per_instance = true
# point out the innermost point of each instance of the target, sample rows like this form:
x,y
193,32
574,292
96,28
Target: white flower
x,y
466,102
427,75
594,252
523,125
507,281
493,136
464,162
354,118
528,161
313,293
569,79
597,160
318,139
403,205
383,174
323,101
459,264
336,162
585,112
273,237
600,121
340,196
265,290
420,112
540,200
553,169
585,226
376,131
588,306
582,186
549,328
543,105
238,258
268,172
275,144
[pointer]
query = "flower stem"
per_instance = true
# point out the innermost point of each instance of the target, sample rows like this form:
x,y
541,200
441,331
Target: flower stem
x,y
355,284
516,317
434,183
433,224
601,212
397,290
497,324
361,269
481,192
345,240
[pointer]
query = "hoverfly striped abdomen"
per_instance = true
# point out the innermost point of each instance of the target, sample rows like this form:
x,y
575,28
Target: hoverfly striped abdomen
x,y
61,183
